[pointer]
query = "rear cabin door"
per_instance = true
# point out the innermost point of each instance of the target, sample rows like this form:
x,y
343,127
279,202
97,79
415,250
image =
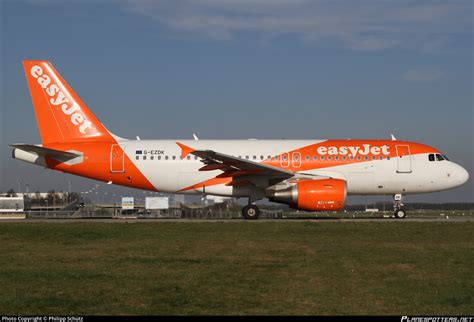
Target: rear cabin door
x,y
117,158
403,159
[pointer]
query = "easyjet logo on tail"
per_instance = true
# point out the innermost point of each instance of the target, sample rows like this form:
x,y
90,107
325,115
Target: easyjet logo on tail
x,y
365,149
59,99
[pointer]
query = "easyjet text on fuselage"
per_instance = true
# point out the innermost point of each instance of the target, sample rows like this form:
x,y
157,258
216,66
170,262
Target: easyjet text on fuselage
x,y
365,149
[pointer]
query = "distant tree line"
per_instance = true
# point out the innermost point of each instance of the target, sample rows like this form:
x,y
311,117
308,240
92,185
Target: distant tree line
x,y
52,197
11,193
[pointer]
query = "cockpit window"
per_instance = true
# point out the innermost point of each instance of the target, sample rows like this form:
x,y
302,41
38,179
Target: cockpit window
x,y
431,157
445,157
439,157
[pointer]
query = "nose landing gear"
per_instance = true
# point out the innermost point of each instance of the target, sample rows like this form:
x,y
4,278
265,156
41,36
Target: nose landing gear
x,y
399,212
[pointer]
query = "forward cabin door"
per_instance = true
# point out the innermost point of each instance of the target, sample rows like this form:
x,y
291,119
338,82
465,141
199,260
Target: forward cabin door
x,y
117,158
403,159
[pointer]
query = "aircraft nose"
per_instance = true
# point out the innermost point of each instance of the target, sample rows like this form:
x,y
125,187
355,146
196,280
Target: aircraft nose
x,y
461,175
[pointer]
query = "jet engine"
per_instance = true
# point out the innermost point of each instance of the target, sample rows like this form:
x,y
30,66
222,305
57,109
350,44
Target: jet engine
x,y
313,195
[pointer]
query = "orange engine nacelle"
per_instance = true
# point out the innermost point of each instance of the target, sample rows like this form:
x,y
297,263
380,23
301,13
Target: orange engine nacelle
x,y
313,195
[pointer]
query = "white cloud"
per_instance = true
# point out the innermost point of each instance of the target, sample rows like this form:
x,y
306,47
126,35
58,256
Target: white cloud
x,y
423,75
360,25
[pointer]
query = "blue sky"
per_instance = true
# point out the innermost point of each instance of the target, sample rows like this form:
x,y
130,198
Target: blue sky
x,y
247,69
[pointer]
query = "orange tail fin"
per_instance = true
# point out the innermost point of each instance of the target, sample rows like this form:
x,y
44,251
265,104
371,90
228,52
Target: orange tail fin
x,y
61,114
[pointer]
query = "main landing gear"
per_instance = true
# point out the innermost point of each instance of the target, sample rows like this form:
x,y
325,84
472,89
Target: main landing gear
x,y
250,212
399,212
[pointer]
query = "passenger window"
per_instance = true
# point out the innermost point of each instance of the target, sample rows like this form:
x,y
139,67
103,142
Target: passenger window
x,y
351,157
166,157
261,157
195,157
159,157
337,158
322,158
315,158
381,157
255,157
137,157
358,157
189,157
174,157
431,157
152,157
307,158
329,157
144,157
374,157
344,158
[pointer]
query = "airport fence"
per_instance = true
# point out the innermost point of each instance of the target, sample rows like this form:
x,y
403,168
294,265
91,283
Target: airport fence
x,y
177,213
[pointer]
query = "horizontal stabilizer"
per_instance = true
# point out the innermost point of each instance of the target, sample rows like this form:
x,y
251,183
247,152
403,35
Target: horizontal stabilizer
x,y
46,152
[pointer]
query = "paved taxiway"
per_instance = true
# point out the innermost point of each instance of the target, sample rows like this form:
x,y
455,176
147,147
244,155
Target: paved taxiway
x,y
316,220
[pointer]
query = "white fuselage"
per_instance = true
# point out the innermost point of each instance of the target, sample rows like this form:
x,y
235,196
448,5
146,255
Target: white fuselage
x,y
161,163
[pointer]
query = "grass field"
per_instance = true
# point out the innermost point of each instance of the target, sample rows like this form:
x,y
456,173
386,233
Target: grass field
x,y
237,268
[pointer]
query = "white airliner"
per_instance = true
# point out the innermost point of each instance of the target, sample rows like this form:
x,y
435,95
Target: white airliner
x,y
312,175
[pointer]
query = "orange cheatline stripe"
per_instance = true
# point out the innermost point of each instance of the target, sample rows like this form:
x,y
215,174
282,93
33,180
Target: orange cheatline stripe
x,y
185,150
207,183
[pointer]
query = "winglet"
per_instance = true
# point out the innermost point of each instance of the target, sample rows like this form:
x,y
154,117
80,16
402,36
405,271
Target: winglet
x,y
185,150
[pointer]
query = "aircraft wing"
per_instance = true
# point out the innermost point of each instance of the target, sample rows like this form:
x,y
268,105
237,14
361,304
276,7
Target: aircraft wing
x,y
241,170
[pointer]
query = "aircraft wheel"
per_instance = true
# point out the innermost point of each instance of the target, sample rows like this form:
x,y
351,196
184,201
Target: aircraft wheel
x,y
400,214
250,212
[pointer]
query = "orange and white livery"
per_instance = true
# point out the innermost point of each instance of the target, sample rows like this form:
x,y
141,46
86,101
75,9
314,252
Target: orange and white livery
x,y
313,175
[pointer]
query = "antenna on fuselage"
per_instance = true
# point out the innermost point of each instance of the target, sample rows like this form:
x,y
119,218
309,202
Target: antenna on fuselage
x,y
393,137
195,137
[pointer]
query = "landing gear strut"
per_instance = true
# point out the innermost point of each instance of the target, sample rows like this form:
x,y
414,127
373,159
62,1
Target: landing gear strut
x,y
399,212
250,212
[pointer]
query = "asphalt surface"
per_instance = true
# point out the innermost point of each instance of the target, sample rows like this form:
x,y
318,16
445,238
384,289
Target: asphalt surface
x,y
318,220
